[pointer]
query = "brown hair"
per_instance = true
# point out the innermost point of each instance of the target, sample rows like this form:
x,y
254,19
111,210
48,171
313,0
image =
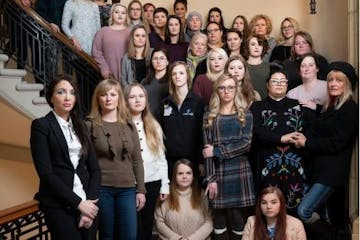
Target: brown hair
x,y
256,18
172,87
261,41
307,37
131,50
260,230
173,199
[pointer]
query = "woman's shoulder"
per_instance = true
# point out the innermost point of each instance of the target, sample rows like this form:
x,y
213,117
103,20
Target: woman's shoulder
x,y
293,220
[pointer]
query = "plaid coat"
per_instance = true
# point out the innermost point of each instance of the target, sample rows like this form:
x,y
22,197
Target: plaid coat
x,y
229,167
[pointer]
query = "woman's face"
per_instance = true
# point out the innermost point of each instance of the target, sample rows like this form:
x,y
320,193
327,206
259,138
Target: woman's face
x,y
195,23
149,13
135,11
214,33
301,46
180,10
109,101
140,37
63,98
255,49
336,83
159,61
237,69
160,19
179,76
217,62
277,85
136,100
215,17
308,68
119,15
239,24
227,91
261,27
174,27
233,41
199,46
287,29
184,177
270,205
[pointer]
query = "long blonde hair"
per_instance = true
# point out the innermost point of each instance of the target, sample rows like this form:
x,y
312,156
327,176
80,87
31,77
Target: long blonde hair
x,y
337,102
215,102
153,132
122,110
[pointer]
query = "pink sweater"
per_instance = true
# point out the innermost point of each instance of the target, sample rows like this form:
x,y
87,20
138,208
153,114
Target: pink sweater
x,y
108,49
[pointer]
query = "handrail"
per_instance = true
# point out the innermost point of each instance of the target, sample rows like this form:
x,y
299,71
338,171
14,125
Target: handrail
x,y
60,36
24,221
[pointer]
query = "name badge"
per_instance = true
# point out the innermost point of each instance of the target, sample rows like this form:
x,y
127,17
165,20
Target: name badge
x,y
188,113
167,110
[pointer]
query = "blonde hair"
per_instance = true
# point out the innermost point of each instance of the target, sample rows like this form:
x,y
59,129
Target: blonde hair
x,y
172,87
295,25
153,132
215,102
102,87
213,76
142,17
256,18
131,50
337,102
112,11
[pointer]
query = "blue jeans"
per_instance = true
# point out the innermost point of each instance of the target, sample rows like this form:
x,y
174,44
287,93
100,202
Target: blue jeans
x,y
314,199
117,218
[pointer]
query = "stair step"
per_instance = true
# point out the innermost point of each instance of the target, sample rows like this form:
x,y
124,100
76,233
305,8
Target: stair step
x,y
3,59
12,72
24,86
39,101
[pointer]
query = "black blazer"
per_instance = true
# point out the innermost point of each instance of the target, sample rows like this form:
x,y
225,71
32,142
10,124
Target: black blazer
x,y
52,162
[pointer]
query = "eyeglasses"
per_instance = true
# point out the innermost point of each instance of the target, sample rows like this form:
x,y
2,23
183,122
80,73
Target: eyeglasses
x,y
158,59
278,82
287,27
226,88
212,30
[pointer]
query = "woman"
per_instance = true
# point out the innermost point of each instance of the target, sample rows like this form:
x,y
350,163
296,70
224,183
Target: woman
x,y
80,22
175,39
233,39
157,37
117,148
261,25
111,42
312,91
136,15
180,10
237,68
137,58
227,132
194,25
104,10
281,52
59,144
180,117
271,220
240,23
149,9
196,53
276,160
156,82
215,15
329,142
153,155
184,214
214,32
303,44
256,48
215,62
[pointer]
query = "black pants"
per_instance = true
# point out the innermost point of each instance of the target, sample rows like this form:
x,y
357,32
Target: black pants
x,y
146,215
63,224
230,218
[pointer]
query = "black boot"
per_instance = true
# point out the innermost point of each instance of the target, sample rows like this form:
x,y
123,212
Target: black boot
x,y
234,236
221,236
318,230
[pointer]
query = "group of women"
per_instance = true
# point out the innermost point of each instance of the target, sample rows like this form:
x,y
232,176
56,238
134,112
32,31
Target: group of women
x,y
195,116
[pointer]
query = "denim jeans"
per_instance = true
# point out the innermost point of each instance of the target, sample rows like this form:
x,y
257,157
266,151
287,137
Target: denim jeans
x,y
117,218
314,199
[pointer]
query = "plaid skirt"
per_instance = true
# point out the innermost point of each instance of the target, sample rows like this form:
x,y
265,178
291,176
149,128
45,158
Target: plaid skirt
x,y
235,184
